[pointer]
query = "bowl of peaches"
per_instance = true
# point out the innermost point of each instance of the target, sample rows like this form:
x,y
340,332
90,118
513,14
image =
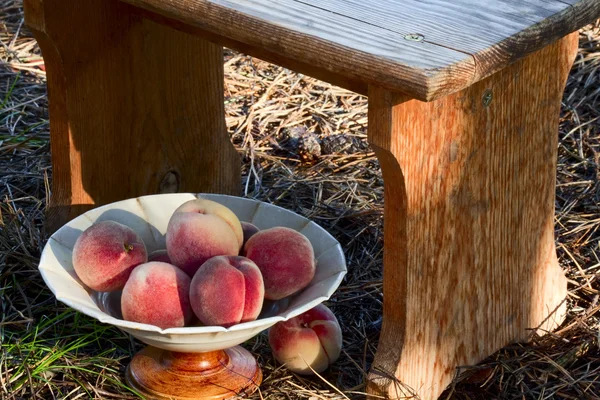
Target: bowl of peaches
x,y
193,277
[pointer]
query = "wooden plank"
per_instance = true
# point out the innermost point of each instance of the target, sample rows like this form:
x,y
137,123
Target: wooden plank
x,y
535,37
469,256
338,44
496,33
469,26
135,107
365,41
331,27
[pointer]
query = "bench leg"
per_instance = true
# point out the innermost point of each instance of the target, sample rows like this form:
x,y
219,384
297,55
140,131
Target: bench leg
x,y
135,107
469,258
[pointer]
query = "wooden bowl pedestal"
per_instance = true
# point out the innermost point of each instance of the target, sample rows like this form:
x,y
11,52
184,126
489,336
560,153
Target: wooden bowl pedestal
x,y
221,374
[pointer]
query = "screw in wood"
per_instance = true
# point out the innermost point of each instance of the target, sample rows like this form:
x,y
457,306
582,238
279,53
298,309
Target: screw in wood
x,y
487,97
414,37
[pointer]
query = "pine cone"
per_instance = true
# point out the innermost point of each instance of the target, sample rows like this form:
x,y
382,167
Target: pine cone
x,y
291,136
341,144
309,148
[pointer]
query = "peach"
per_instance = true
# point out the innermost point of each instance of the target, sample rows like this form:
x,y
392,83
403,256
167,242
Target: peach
x,y
285,258
227,290
105,254
157,293
312,339
205,206
195,236
160,255
249,230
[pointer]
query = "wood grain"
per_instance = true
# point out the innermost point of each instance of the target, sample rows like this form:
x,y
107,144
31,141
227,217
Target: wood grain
x,y
469,26
364,41
325,40
135,107
469,254
520,44
223,374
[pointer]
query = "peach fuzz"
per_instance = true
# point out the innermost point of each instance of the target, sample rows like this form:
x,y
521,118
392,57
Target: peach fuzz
x,y
249,230
160,255
313,339
205,206
157,293
192,238
285,258
227,290
105,254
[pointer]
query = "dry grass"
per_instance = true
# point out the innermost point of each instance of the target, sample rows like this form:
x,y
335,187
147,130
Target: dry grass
x,y
50,351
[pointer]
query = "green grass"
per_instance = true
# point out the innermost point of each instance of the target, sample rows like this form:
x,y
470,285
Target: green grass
x,y
9,92
70,345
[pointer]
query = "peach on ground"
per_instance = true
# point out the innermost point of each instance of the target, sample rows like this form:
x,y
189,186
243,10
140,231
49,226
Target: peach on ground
x,y
249,230
157,293
160,255
193,237
205,206
227,290
286,259
105,254
310,340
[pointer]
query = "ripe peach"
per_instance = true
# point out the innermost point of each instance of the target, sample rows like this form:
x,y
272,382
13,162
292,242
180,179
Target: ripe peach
x,y
105,254
249,231
160,255
313,339
195,236
227,290
157,293
285,258
205,206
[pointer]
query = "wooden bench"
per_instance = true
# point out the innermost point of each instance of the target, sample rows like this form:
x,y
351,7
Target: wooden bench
x,y
464,100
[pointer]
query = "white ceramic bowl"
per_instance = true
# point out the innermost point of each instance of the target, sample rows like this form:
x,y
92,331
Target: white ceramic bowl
x,y
149,216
